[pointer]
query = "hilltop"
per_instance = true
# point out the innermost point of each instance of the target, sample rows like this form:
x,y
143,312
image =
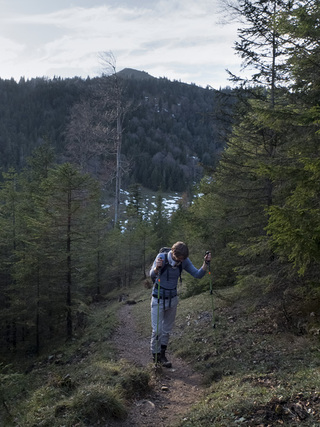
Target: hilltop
x,y
131,73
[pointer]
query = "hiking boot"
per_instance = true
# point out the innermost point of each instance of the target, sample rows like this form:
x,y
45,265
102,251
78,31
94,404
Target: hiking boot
x,y
163,360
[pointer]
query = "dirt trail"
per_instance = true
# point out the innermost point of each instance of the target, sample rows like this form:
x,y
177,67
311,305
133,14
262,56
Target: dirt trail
x,y
175,390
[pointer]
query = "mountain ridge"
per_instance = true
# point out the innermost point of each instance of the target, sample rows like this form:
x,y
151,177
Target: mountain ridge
x,y
132,73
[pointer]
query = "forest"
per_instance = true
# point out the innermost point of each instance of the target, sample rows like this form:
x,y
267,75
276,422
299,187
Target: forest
x,y
171,130
256,184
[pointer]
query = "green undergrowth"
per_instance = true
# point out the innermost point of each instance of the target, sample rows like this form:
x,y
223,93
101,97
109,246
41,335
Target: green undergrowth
x,y
255,371
81,383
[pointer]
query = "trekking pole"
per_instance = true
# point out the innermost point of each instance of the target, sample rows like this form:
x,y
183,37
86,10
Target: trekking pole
x,y
211,293
158,316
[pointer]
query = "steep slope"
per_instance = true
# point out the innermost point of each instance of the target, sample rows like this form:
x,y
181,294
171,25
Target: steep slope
x,y
171,131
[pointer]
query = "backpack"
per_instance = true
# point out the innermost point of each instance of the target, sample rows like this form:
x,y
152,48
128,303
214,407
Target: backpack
x,y
165,251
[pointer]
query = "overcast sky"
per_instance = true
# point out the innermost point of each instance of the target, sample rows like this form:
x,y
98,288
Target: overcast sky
x,y
177,39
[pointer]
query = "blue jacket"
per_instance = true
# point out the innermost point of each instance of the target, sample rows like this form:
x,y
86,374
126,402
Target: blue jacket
x,y
169,277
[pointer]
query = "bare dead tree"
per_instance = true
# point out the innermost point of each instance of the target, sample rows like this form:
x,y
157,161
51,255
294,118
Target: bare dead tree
x,y
118,106
94,133
88,140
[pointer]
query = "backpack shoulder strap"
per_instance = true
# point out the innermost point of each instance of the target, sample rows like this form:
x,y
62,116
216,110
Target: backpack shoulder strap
x,y
166,263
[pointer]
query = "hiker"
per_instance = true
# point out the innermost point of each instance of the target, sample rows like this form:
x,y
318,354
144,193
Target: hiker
x,y
167,267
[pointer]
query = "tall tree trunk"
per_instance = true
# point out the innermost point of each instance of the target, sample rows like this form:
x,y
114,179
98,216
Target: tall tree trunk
x,y
118,169
69,279
38,315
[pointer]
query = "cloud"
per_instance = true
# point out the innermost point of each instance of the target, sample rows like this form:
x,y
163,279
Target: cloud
x,y
9,49
169,36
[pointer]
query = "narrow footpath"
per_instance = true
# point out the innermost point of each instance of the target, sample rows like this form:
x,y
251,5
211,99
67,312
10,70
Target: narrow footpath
x,y
175,390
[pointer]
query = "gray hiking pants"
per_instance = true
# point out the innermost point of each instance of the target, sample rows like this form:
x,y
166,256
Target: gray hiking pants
x,y
165,318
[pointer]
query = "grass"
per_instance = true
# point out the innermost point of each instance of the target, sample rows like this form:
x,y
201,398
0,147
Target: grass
x,y
81,383
255,371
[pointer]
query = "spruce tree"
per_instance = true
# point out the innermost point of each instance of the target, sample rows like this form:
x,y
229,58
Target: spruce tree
x,y
12,300
293,222
241,184
67,208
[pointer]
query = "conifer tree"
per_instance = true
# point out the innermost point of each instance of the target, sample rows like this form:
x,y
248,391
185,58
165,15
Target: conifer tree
x,y
293,221
138,229
67,208
160,224
241,184
23,291
11,307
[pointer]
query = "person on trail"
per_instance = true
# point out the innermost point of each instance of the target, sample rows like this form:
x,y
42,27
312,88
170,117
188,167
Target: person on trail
x,y
165,272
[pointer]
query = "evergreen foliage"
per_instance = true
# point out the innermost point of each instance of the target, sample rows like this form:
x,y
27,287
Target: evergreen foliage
x,y
261,203
257,208
167,136
293,225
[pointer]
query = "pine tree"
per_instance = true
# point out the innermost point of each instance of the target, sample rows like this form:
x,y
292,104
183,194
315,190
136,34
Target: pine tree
x,y
160,224
11,305
241,184
67,209
293,222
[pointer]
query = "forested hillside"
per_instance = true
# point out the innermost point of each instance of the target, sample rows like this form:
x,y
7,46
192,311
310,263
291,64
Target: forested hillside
x,y
171,130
